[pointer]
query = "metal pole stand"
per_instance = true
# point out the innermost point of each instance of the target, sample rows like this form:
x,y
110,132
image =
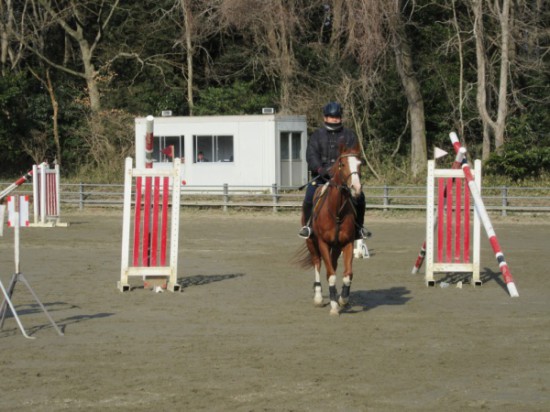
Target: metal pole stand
x,y
19,214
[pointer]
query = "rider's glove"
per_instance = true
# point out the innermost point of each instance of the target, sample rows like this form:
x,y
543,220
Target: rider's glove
x,y
323,172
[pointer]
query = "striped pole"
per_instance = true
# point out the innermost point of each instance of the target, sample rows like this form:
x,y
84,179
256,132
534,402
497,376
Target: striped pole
x,y
482,213
15,184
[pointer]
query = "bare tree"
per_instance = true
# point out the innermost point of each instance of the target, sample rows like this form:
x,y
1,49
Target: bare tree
x,y
47,83
273,25
11,21
495,124
198,20
411,86
84,22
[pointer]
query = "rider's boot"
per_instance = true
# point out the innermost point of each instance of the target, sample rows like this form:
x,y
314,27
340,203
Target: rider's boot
x,y
360,231
305,232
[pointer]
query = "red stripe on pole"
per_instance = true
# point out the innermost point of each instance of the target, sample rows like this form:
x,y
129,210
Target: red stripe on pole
x,y
420,257
458,219
164,228
146,243
494,244
137,221
441,222
154,243
449,234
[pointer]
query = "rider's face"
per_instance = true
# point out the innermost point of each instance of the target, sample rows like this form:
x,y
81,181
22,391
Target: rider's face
x,y
333,120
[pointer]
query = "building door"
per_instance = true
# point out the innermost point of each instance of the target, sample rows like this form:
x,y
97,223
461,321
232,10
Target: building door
x,y
291,159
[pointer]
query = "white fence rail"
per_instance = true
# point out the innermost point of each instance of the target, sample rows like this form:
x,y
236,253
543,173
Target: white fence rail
x,y
503,199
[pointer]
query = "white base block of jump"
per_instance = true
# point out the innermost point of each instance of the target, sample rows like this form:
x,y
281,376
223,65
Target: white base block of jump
x,y
360,249
50,223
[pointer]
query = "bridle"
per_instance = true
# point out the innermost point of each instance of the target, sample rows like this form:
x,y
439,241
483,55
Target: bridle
x,y
345,179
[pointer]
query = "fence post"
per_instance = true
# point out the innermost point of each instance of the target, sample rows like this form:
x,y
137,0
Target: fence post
x,y
504,200
386,197
81,196
275,193
225,196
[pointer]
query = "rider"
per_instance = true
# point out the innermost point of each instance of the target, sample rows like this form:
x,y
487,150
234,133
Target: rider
x,y
322,152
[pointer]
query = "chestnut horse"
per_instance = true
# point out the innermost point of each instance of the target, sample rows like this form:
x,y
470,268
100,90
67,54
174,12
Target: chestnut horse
x,y
333,225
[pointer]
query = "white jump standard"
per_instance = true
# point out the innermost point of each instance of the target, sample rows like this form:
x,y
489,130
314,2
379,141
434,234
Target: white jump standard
x,y
152,216
448,231
46,196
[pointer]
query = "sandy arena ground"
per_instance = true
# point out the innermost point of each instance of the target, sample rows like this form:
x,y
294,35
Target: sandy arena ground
x,y
243,335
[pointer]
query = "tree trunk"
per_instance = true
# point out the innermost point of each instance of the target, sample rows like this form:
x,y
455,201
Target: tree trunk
x,y
188,32
404,63
496,127
502,111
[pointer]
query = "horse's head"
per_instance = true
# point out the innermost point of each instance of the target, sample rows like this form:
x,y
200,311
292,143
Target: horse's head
x,y
347,169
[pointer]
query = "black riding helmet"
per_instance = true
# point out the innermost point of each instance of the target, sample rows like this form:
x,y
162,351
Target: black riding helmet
x,y
332,109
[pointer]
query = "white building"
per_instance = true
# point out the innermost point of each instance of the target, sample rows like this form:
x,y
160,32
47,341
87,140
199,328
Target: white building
x,y
251,150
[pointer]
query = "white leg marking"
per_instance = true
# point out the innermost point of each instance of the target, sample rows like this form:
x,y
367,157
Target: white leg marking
x,y
317,291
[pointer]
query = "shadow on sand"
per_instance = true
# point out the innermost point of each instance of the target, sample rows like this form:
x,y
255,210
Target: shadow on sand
x,y
363,300
199,280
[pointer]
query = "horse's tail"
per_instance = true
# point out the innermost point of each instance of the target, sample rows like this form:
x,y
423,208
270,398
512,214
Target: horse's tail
x,y
302,258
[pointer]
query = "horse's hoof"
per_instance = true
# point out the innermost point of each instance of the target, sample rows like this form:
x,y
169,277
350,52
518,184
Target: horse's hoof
x,y
334,312
318,303
343,302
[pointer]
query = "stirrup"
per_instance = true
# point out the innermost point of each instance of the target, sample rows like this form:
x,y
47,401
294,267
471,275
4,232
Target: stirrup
x,y
362,233
305,232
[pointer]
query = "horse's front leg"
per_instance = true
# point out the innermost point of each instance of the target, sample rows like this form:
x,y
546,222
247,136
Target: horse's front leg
x,y
331,277
348,274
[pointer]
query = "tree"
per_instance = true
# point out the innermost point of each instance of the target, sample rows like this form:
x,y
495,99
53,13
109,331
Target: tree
x,y
271,26
411,87
84,22
492,125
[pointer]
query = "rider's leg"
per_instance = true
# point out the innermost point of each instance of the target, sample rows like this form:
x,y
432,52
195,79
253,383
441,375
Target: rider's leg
x,y
360,205
307,208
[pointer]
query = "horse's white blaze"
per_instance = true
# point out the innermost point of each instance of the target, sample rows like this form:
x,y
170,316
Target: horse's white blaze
x,y
354,165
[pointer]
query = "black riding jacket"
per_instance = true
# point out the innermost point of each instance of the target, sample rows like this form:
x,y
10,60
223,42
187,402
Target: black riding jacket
x,y
323,147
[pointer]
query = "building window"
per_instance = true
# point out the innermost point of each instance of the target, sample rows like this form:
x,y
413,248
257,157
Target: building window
x,y
213,148
291,143
161,143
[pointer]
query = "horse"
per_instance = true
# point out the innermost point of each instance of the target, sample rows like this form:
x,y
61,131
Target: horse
x,y
333,224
